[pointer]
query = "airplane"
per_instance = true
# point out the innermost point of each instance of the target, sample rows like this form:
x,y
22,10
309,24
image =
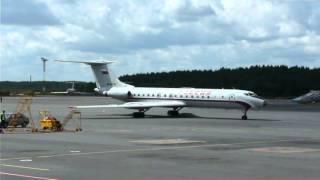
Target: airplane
x,y
311,97
144,98
71,91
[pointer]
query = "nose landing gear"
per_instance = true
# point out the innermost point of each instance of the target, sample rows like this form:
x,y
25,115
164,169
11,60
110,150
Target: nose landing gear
x,y
245,117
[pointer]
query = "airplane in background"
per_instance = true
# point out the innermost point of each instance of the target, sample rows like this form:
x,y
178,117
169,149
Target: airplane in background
x,y
144,98
71,91
311,97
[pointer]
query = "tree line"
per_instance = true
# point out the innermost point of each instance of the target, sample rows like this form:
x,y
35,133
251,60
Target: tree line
x,y
16,87
267,81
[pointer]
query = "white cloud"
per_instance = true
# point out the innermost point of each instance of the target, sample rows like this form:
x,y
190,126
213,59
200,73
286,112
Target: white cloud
x,y
156,35
290,28
26,13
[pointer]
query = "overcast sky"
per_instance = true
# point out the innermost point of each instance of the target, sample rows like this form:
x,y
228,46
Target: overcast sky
x,y
148,36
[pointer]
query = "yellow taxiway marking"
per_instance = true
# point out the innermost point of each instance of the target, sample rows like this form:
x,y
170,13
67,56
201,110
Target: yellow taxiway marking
x,y
155,149
24,167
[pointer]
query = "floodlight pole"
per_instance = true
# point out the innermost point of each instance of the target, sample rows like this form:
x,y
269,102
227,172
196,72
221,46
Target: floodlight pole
x,y
44,60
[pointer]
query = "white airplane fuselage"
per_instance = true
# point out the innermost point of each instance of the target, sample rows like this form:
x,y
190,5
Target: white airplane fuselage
x,y
192,97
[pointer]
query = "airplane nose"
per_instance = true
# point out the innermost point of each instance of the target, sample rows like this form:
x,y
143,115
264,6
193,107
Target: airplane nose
x,y
296,99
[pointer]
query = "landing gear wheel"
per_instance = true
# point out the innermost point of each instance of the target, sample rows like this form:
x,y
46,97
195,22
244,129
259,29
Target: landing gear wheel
x,y
23,125
138,114
173,113
244,117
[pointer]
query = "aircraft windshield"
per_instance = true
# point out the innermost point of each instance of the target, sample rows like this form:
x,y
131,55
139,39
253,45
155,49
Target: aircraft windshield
x,y
252,94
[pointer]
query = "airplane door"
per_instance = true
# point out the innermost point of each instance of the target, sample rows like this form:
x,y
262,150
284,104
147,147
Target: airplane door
x,y
232,97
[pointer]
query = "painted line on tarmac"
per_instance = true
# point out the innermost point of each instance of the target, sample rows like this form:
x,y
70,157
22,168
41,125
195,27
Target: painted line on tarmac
x,y
157,149
26,176
24,167
16,158
162,148
283,150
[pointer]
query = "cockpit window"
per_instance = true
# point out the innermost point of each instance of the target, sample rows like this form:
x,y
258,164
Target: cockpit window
x,y
252,94
309,94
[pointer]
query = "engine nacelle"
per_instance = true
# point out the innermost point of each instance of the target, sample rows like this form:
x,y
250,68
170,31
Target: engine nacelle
x,y
120,93
105,93
97,90
101,91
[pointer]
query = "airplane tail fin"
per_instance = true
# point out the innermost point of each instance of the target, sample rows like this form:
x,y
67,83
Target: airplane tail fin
x,y
103,77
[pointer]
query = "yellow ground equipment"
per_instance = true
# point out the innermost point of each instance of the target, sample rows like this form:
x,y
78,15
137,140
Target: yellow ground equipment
x,y
49,122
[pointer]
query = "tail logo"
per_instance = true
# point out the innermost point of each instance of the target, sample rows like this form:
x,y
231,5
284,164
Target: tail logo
x,y
104,71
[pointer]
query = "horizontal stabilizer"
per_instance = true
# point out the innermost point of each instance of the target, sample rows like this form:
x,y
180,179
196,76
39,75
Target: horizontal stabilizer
x,y
88,62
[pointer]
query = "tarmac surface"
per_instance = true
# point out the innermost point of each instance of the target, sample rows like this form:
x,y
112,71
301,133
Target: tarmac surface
x,y
281,141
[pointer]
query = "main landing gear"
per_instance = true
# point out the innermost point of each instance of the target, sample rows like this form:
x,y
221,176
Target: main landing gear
x,y
174,112
139,114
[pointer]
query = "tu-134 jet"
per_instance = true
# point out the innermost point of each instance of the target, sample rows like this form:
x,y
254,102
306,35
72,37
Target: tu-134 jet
x,y
144,98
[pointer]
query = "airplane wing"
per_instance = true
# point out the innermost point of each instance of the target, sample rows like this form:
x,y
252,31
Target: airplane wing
x,y
137,105
58,92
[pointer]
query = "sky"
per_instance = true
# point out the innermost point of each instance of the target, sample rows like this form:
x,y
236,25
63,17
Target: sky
x,y
154,35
